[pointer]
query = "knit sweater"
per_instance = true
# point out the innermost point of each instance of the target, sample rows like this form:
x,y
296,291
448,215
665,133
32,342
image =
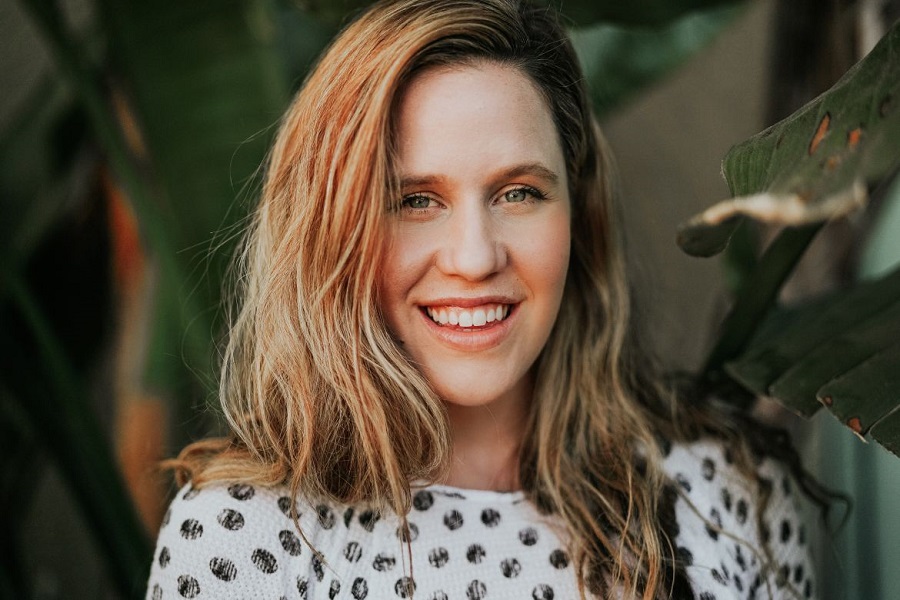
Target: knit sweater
x,y
239,541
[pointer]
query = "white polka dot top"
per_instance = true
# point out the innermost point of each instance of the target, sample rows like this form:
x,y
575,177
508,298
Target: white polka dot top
x,y
239,541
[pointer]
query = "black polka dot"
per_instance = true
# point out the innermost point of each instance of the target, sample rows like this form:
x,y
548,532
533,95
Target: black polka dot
x,y
785,534
334,589
164,557
318,567
559,559
475,554
157,592
708,469
191,529
542,591
303,586
405,587
764,533
223,568
453,520
682,481
423,500
348,517
741,511
476,590
738,583
707,596
725,496
240,491
190,494
739,557
807,589
408,533
510,568
528,536
490,517
230,519
798,574
290,542
438,557
264,561
725,570
326,516
439,595
383,562
285,505
368,518
715,525
359,589
717,575
353,552
684,556
188,587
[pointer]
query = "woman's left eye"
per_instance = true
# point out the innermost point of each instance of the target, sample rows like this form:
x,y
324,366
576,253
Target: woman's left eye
x,y
521,194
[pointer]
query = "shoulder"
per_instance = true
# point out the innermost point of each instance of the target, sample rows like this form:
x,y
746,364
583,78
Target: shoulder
x,y
222,541
737,532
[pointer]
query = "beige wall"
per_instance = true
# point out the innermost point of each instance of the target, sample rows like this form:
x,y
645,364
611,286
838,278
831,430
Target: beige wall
x,y
669,145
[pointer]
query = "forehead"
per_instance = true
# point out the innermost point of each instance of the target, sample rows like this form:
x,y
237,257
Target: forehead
x,y
469,115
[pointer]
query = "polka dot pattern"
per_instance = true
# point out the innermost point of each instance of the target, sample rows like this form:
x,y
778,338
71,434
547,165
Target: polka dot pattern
x,y
239,540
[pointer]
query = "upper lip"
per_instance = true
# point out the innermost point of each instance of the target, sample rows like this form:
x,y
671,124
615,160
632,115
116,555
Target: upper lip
x,y
470,302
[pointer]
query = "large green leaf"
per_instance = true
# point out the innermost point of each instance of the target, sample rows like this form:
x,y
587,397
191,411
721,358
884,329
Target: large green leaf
x,y
208,86
799,350
618,60
814,165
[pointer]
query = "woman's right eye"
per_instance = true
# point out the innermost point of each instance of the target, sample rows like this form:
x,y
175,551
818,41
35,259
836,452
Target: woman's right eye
x,y
416,201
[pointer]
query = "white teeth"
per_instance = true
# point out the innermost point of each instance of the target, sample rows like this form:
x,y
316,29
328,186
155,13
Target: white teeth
x,y
463,317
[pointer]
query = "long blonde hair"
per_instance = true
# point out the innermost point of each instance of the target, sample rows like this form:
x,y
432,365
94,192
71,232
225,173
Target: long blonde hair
x,y
320,397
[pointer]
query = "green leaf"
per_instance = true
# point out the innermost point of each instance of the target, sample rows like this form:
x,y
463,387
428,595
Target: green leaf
x,y
759,295
797,351
814,165
867,393
54,400
652,13
580,12
887,432
208,87
620,60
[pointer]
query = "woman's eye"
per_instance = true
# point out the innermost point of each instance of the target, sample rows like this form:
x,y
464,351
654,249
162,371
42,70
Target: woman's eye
x,y
416,202
515,195
521,194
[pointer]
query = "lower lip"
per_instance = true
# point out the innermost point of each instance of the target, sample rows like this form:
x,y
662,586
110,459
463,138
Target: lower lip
x,y
473,339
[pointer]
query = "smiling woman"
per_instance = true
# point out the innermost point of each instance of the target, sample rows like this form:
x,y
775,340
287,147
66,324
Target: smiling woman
x,y
431,380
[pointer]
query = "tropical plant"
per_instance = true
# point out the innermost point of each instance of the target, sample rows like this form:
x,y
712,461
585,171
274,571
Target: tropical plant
x,y
146,142
818,164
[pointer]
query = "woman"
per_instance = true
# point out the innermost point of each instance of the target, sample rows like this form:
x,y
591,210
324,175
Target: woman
x,y
430,380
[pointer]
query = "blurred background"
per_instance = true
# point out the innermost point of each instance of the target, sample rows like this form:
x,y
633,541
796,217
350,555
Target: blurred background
x,y
130,139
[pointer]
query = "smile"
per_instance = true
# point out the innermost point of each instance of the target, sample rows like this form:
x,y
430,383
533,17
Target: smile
x,y
476,316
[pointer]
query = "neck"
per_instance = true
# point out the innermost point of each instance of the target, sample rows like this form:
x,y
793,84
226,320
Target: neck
x,y
486,442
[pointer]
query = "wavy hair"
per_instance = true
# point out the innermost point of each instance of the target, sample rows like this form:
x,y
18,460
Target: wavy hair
x,y
316,391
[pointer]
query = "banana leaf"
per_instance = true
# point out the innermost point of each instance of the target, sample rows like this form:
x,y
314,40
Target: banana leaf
x,y
816,164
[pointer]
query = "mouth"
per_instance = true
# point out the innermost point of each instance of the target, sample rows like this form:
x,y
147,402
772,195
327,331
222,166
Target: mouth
x,y
469,318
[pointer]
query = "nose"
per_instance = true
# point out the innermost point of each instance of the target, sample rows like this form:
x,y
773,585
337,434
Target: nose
x,y
472,248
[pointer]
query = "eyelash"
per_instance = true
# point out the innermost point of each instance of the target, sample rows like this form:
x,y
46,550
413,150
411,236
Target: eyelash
x,y
535,194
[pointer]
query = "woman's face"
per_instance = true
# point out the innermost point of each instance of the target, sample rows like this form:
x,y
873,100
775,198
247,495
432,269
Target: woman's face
x,y
477,256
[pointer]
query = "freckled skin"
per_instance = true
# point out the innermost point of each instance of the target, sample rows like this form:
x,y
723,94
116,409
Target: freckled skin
x,y
460,132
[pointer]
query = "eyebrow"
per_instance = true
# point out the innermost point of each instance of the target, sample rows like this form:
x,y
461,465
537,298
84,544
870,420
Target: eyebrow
x,y
535,169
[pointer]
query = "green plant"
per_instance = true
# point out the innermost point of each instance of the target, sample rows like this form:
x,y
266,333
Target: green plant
x,y
815,165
